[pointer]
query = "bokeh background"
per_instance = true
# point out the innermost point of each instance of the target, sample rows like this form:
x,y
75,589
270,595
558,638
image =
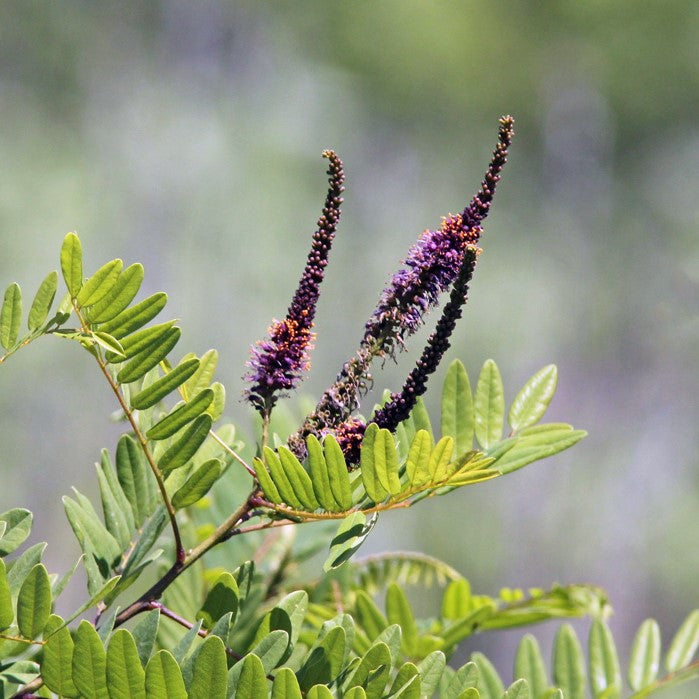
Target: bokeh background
x,y
188,136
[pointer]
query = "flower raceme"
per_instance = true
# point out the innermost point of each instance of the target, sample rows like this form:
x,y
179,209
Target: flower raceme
x,y
440,260
277,363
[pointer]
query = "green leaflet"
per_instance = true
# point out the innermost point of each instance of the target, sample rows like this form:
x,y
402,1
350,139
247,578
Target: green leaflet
x,y
21,567
350,535
164,678
210,676
34,602
118,513
204,374
417,464
198,484
72,263
373,671
145,633
489,405
398,611
684,644
431,669
185,643
223,597
457,600
531,402
489,682
154,393
320,476
407,683
57,663
143,339
118,297
135,317
645,655
115,517
457,408
91,534
354,693
605,674
19,524
7,614
386,462
368,616
281,479
271,650
370,476
181,415
568,663
266,483
125,675
517,690
219,401
186,446
325,660
298,479
529,664
464,680
319,691
252,681
135,478
440,459
41,305
338,474
294,606
99,284
151,356
109,343
10,316
89,663
286,686
527,449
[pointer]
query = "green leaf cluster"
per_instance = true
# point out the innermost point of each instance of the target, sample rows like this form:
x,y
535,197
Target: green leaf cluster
x,y
248,623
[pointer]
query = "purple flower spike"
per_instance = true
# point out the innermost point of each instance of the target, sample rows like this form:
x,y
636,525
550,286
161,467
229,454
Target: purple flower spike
x,y
277,364
430,269
440,260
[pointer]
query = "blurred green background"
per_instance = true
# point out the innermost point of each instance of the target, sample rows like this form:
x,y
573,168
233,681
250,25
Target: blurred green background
x,y
188,136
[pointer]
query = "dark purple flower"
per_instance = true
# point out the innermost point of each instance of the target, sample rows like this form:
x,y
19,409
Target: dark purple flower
x,y
439,259
277,363
399,406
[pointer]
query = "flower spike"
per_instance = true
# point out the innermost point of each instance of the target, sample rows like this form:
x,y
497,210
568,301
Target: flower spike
x,y
277,363
438,260
400,405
